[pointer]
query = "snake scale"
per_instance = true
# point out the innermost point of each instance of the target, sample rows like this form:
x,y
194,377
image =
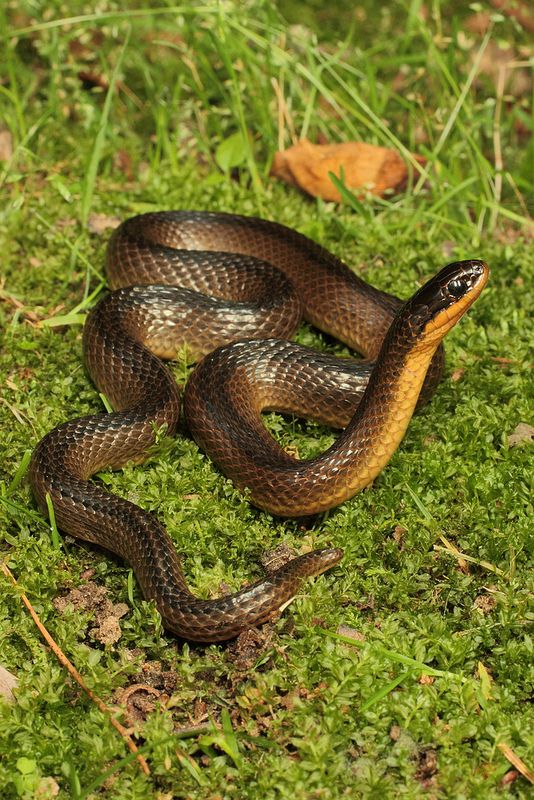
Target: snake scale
x,y
231,290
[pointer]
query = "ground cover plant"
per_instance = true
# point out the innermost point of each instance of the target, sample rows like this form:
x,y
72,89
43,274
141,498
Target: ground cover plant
x,y
406,671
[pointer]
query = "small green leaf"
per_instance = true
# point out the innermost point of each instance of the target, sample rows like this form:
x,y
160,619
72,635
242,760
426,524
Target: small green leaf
x,y
64,319
485,681
231,152
54,533
26,765
25,344
63,190
385,690
105,401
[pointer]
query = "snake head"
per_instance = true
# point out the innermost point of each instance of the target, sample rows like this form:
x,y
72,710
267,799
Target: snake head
x,y
439,304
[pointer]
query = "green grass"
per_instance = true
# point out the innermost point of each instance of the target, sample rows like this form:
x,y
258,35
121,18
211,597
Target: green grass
x,y
443,670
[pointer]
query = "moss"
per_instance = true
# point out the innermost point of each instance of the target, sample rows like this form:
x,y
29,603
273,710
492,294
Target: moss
x,y
404,709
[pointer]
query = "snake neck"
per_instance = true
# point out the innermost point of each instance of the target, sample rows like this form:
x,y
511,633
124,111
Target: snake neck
x,y
227,423
380,422
372,436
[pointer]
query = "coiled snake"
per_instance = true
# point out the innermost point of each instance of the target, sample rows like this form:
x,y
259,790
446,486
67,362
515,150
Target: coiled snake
x,y
254,296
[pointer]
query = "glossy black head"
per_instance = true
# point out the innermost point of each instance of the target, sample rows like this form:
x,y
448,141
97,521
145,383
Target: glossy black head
x,y
439,304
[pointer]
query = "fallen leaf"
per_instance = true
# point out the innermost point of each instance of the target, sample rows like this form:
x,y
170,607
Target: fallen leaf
x,y
8,682
361,166
457,374
6,145
522,433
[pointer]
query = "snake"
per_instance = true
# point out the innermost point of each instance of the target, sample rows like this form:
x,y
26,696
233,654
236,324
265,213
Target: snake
x,y
229,291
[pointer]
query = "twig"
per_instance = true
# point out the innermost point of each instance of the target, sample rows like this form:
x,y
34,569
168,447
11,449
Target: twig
x,y
71,669
520,765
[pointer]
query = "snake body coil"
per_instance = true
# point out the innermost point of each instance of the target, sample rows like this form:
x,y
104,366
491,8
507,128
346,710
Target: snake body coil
x,y
240,279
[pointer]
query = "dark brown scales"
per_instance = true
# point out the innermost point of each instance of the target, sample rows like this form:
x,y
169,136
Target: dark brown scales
x,y
250,299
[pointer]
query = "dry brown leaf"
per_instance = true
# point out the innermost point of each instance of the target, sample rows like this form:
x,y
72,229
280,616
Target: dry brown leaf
x,y
8,682
6,145
364,166
522,433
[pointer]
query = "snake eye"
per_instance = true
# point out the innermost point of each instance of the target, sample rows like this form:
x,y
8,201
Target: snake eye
x,y
457,287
